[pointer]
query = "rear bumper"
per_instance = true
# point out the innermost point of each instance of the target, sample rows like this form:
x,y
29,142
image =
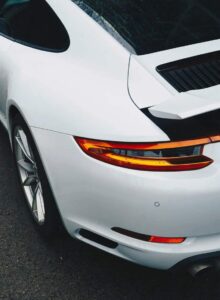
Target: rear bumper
x,y
160,256
96,196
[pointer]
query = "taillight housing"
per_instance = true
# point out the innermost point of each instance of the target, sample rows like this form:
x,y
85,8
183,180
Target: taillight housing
x,y
161,156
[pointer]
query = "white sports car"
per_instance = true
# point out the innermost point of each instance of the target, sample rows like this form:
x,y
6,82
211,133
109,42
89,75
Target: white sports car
x,y
113,113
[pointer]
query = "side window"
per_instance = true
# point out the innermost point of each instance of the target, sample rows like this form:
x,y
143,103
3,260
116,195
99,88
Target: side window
x,y
33,22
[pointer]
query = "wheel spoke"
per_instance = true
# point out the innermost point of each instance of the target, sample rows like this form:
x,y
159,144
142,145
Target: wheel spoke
x,y
38,204
22,147
28,167
34,203
30,180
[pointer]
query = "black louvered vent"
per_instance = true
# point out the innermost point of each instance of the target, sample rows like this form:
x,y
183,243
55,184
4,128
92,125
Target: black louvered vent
x,y
193,73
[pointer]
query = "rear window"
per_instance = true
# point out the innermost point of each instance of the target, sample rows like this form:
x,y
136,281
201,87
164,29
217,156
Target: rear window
x,y
146,26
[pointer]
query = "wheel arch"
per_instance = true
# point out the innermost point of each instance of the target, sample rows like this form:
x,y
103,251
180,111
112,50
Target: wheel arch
x,y
12,111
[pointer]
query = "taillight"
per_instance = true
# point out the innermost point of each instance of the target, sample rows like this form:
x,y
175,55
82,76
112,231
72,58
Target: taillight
x,y
165,156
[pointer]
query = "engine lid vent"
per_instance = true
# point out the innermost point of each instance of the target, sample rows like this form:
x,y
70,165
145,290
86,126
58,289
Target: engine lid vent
x,y
193,73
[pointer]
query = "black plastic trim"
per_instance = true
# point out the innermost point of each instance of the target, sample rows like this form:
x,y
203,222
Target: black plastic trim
x,y
132,234
196,127
97,239
29,45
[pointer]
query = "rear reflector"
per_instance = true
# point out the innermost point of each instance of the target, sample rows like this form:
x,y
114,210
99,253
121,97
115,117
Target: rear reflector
x,y
149,238
166,240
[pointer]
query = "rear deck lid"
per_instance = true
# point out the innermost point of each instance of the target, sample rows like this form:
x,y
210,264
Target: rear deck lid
x,y
177,83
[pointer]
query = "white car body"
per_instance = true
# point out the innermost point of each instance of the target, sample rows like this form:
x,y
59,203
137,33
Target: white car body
x,y
97,90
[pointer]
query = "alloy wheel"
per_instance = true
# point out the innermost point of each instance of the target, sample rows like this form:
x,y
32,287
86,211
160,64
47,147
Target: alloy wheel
x,y
29,176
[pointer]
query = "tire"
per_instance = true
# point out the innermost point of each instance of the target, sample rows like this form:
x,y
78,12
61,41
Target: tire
x,y
33,180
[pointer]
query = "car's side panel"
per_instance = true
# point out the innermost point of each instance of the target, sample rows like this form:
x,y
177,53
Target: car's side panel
x,y
4,61
82,91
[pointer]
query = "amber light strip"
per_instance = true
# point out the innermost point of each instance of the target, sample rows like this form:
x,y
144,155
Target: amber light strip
x,y
157,164
88,143
215,138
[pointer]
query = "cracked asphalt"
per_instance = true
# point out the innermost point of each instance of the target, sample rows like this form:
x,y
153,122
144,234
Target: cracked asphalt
x,y
32,268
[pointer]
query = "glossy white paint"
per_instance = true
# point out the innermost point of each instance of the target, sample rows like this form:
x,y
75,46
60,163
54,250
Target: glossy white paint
x,y
85,92
80,89
188,104
146,86
96,196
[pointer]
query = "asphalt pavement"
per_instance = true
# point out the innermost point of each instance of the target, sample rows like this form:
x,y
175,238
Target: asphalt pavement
x,y
32,268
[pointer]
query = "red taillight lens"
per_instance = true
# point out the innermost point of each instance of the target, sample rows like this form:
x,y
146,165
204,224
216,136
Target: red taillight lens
x,y
166,240
167,156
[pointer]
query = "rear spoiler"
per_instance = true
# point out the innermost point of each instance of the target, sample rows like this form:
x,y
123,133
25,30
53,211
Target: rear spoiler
x,y
188,104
